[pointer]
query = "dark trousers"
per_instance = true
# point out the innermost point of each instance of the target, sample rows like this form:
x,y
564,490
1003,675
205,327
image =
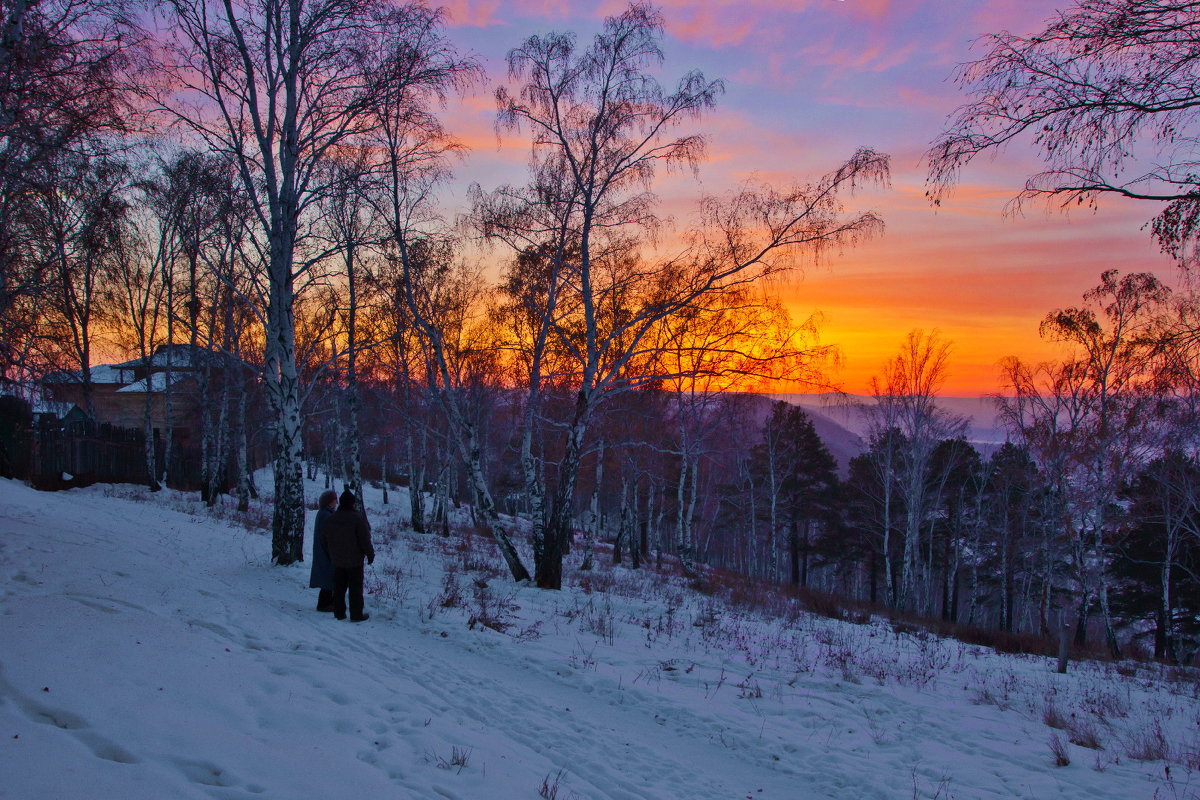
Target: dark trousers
x,y
325,600
348,578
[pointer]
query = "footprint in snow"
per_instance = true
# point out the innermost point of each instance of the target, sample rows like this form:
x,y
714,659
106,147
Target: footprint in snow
x,y
205,773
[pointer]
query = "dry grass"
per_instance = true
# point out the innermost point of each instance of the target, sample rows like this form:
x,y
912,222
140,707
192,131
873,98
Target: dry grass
x,y
1085,733
1053,718
1059,749
489,609
1148,744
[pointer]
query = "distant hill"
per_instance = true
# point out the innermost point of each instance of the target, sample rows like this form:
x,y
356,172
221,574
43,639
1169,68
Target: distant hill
x,y
843,443
845,426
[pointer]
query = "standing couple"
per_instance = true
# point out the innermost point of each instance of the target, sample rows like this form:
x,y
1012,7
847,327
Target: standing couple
x,y
341,540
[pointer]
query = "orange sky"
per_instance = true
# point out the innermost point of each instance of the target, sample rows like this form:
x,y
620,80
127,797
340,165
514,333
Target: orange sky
x,y
808,81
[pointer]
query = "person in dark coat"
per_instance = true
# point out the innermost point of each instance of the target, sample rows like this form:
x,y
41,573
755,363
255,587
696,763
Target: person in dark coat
x,y
348,540
321,576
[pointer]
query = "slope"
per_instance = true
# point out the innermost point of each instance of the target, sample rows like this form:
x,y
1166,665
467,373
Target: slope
x,y
151,651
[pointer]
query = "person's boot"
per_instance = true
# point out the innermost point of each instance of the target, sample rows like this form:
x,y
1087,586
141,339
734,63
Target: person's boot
x,y
325,600
363,618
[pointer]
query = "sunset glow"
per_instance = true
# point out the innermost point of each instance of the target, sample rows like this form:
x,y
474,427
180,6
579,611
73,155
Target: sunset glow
x,y
807,83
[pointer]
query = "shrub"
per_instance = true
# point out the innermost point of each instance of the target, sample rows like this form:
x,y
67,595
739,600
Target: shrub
x,y
1148,744
451,594
1053,718
1085,734
1058,748
1107,701
598,620
749,689
552,785
490,610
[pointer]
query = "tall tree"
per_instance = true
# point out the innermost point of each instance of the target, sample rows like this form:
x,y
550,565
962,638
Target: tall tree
x,y
799,477
210,269
726,341
1012,507
283,85
140,317
531,290
1157,560
601,126
905,400
352,228
1088,420
83,213
65,66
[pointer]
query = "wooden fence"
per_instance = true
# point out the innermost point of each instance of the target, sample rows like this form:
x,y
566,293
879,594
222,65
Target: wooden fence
x,y
83,454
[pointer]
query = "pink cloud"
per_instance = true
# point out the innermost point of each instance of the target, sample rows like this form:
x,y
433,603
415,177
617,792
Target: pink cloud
x,y
933,102
495,13
472,13
1018,16
717,30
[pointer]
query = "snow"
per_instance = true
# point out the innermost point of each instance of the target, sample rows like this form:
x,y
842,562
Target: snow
x,y
180,356
99,374
51,407
150,650
157,383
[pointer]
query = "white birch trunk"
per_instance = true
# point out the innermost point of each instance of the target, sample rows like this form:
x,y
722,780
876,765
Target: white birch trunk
x,y
592,529
416,486
353,442
683,543
240,444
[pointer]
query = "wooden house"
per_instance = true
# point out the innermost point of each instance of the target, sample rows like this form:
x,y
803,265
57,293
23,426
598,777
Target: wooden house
x,y
120,392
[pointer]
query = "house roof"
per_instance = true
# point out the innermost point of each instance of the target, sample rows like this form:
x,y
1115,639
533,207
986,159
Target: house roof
x,y
182,357
101,373
178,356
58,408
156,382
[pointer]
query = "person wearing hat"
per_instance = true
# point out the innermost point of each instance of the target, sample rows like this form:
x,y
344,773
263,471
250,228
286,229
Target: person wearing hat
x,y
321,576
348,540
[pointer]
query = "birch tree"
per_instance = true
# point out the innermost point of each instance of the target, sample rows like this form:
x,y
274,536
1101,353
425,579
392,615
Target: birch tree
x,y
1087,421
908,425
201,218
282,85
414,150
1012,505
438,297
604,126
83,213
798,475
352,229
140,295
1157,560
65,66
726,341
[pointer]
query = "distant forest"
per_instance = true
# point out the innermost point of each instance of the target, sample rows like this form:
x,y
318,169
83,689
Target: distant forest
x,y
242,199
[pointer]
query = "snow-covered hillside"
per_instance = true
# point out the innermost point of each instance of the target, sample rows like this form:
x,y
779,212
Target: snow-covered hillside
x,y
148,651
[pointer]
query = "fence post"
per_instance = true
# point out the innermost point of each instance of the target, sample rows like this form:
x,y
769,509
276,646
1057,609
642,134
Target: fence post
x,y
1064,639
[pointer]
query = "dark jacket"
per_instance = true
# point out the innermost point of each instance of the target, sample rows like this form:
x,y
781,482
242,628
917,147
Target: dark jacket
x,y
322,568
348,538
